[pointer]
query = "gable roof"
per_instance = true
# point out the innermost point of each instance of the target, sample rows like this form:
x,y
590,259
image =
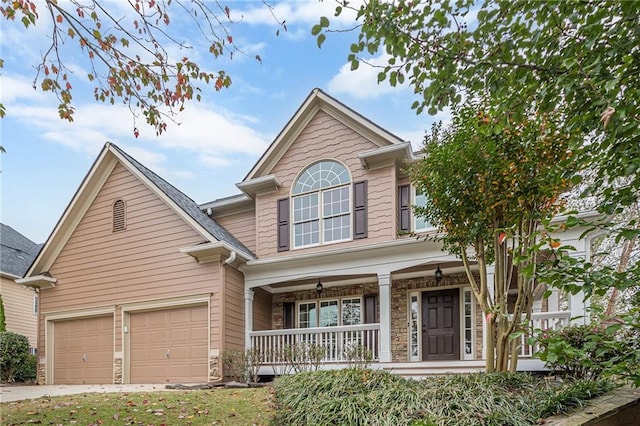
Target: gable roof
x,y
105,163
16,251
316,101
186,204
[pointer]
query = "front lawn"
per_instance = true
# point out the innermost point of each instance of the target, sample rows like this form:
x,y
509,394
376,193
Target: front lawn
x,y
345,397
217,406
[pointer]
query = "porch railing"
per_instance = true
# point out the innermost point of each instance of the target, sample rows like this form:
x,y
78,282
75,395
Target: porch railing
x,y
339,344
542,321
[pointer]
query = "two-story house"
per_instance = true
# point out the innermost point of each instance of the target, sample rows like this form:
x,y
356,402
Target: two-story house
x,y
139,284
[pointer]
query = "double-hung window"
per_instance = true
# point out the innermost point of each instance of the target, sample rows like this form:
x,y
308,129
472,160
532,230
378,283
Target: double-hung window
x,y
322,205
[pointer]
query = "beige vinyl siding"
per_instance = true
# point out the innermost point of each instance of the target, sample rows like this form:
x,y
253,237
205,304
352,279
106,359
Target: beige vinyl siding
x,y
98,267
262,301
242,225
233,309
18,309
326,138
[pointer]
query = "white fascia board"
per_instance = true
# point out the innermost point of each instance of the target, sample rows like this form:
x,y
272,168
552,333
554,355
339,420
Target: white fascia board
x,y
75,211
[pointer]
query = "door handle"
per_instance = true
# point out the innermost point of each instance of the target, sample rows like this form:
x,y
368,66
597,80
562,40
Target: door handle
x,y
84,357
168,353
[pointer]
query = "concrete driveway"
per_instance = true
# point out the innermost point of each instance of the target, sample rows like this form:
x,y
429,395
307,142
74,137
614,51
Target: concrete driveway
x,y
17,392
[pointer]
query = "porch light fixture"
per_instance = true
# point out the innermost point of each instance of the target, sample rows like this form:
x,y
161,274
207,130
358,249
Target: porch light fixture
x,y
319,288
439,275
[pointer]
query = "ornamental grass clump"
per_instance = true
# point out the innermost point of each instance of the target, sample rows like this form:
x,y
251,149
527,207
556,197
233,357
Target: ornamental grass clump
x,y
374,397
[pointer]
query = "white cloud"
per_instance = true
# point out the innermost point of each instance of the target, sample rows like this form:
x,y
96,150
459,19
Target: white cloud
x,y
363,82
295,13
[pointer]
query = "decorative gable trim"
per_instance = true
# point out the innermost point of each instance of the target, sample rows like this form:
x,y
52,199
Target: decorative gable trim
x,y
259,186
386,156
316,101
38,281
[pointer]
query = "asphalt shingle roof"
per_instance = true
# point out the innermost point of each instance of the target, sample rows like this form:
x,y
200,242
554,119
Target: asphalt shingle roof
x,y
17,252
189,206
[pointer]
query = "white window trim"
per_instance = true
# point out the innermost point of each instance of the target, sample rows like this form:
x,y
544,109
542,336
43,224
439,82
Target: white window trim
x,y
418,356
463,354
318,301
321,217
292,196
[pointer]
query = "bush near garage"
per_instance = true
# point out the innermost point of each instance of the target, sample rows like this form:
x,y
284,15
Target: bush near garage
x,y
14,354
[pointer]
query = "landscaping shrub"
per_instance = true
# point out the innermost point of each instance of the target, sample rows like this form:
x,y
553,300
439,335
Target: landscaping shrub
x,y
359,396
582,351
14,352
27,371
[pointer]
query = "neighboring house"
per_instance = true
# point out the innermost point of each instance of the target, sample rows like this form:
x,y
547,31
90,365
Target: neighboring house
x,y
17,252
138,283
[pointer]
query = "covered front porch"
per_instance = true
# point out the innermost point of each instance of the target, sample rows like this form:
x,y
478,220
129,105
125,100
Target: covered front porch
x,y
407,321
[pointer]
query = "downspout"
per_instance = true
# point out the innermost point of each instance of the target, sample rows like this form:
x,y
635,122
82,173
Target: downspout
x,y
231,258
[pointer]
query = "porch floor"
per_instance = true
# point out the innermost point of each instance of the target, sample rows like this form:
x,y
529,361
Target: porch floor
x,y
417,370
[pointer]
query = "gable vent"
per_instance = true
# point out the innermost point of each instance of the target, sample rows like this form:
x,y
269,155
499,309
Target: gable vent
x,y
119,216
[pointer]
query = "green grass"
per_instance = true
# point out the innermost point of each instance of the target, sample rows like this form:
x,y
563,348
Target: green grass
x,y
370,397
210,407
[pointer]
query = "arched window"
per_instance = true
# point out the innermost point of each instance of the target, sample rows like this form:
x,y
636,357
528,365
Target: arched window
x,y
119,216
321,204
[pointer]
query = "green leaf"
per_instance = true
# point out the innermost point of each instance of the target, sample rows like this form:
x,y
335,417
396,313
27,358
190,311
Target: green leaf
x,y
316,29
321,38
324,21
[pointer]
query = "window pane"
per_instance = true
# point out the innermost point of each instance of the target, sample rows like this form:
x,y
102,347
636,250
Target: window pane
x,y
335,201
307,315
351,311
329,313
306,233
305,207
324,174
420,200
337,228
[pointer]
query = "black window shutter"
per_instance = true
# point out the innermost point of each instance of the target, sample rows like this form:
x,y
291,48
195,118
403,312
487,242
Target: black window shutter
x,y
360,210
370,312
289,315
404,208
283,224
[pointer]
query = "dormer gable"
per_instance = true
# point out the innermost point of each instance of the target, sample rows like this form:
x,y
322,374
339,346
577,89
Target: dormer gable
x,y
385,145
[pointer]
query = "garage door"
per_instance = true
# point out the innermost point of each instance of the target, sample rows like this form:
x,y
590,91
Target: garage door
x,y
83,351
169,346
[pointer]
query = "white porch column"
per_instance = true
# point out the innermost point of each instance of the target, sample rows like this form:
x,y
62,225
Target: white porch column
x,y
384,285
248,316
577,305
491,273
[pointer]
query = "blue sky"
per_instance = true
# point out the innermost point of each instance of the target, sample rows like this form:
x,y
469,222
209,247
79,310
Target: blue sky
x,y
218,140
